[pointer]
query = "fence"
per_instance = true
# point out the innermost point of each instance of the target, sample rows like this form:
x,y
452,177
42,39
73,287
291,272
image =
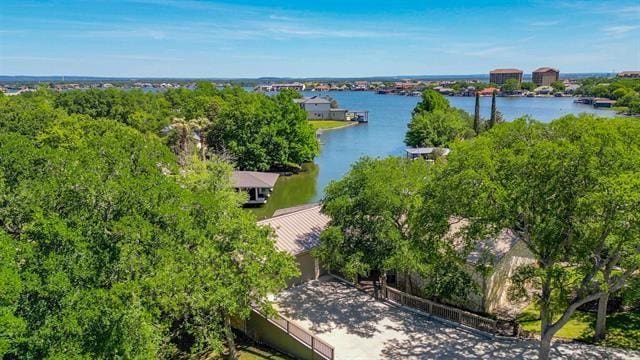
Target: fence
x,y
442,311
317,346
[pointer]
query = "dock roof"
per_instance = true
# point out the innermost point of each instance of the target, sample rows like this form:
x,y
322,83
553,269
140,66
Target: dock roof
x,y
298,231
426,150
253,179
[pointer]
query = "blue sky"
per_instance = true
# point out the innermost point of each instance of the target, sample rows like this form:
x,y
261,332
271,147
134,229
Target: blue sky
x,y
189,38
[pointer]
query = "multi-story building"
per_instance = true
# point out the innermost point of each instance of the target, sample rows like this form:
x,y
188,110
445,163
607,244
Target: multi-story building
x,y
629,74
499,76
544,76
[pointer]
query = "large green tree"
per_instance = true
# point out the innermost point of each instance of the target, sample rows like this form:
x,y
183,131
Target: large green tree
x,y
439,128
374,226
570,189
109,249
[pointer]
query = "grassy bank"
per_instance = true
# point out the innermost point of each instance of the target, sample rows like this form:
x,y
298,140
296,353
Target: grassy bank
x,y
623,328
327,124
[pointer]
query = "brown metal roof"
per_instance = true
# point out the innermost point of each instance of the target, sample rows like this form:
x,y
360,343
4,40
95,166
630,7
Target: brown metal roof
x,y
253,179
505,71
298,231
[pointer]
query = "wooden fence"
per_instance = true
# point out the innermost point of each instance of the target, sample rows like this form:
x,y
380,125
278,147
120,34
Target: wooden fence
x,y
316,345
439,310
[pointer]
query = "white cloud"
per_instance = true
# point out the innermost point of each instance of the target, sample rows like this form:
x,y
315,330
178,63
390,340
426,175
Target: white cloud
x,y
620,29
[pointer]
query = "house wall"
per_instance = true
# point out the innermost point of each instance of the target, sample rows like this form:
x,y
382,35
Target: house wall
x,y
338,115
309,267
497,286
500,281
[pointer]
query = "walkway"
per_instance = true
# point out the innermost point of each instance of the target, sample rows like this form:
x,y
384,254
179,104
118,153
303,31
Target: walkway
x,y
361,328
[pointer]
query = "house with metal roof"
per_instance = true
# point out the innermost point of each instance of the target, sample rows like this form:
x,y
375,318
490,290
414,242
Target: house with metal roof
x,y
429,153
297,231
257,185
319,108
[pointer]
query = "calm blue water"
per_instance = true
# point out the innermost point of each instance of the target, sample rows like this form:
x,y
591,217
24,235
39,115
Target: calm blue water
x,y
388,118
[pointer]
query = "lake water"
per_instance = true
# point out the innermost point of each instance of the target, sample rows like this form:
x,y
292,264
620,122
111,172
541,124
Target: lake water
x,y
384,136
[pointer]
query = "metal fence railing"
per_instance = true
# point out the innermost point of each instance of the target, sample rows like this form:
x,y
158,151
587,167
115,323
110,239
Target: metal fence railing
x,y
440,310
318,346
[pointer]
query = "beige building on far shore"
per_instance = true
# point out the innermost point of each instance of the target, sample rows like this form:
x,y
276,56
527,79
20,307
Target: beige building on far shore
x,y
500,76
545,76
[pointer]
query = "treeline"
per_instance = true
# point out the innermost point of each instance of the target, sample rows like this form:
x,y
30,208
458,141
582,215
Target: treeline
x,y
109,247
626,92
253,131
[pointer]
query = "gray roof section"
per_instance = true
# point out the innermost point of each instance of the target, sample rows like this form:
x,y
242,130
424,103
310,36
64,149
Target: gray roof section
x,y
299,231
253,179
316,100
426,150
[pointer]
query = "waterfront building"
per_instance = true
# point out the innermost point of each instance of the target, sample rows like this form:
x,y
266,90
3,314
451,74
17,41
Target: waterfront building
x,y
319,108
499,76
629,74
544,76
488,91
428,153
258,185
297,231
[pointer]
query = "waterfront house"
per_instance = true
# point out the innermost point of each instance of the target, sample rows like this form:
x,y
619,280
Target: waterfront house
x,y
319,108
545,76
488,91
544,90
257,185
500,76
297,231
428,153
500,256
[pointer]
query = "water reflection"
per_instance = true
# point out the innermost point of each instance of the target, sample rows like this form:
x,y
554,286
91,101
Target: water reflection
x,y
290,191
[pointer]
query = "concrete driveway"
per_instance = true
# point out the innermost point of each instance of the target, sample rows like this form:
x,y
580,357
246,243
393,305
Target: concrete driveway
x,y
358,327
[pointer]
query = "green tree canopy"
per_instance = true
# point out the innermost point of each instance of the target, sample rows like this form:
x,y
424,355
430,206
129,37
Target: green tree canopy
x,y
570,189
431,101
439,128
108,249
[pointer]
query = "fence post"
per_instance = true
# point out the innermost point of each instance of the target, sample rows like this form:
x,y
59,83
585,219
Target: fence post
x,y
313,347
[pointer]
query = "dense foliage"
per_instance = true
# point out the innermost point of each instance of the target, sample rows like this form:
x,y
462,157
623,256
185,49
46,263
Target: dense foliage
x,y
435,123
109,250
256,131
375,226
570,189
625,91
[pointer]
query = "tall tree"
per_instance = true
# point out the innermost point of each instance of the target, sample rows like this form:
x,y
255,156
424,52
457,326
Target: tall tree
x,y
493,119
431,101
570,189
476,114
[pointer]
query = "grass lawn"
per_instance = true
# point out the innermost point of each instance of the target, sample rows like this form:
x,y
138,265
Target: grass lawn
x,y
623,328
327,124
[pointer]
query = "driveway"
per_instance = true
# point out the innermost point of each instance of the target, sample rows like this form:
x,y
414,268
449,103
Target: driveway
x,y
359,327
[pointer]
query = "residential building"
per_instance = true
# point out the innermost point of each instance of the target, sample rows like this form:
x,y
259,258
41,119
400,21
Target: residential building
x,y
319,108
257,185
297,231
629,74
499,76
544,76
